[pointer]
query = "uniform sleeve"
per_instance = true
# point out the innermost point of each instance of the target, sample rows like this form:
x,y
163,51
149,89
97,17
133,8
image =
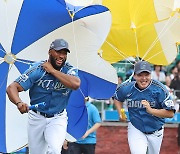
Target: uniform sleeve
x,y
166,100
119,94
29,77
71,70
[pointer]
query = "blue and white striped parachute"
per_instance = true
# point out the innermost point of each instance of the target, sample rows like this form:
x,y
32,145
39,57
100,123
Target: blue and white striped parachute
x,y
27,27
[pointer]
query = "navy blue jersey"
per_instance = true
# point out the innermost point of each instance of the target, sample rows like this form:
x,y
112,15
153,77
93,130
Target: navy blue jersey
x,y
156,94
44,87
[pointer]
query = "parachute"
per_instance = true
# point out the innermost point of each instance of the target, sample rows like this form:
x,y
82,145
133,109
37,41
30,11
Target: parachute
x,y
27,28
146,29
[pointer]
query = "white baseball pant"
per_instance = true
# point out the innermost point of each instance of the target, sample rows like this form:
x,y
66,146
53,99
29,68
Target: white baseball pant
x,y
44,133
140,143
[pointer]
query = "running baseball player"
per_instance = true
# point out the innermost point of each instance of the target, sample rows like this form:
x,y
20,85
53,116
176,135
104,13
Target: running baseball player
x,y
51,82
148,104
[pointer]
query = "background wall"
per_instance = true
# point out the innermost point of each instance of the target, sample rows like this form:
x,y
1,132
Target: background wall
x,y
112,139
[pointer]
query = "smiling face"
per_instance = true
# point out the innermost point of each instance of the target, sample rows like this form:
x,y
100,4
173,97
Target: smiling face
x,y
57,58
143,79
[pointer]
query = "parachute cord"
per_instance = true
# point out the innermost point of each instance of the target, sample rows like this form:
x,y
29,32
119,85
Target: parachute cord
x,y
119,52
3,51
75,44
137,47
21,61
155,41
162,32
159,52
6,76
77,62
74,39
129,79
81,92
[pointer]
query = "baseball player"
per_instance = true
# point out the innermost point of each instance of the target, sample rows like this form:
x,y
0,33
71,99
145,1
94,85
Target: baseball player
x,y
148,104
51,82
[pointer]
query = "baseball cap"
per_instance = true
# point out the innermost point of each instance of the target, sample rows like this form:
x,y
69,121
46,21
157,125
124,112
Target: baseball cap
x,y
142,66
59,44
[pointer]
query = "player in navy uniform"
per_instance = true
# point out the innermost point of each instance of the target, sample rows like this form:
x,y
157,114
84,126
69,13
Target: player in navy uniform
x,y
51,82
148,104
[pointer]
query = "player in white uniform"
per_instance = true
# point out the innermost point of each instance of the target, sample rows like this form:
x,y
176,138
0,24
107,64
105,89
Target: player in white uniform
x,y
148,104
51,82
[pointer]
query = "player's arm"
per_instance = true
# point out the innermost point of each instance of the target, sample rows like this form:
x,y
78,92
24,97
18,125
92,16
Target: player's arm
x,y
92,129
119,107
69,81
162,113
13,93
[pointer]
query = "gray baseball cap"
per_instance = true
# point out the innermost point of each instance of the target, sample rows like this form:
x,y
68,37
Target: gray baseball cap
x,y
142,66
59,44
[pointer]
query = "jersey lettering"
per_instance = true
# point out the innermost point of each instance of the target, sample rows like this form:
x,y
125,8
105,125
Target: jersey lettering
x,y
23,78
49,84
137,104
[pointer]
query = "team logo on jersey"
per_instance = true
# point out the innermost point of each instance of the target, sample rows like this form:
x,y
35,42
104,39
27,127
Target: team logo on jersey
x,y
23,77
128,95
73,73
169,103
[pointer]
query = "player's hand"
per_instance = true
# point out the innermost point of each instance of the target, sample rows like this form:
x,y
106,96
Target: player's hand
x,y
48,67
65,145
23,107
146,105
85,135
122,116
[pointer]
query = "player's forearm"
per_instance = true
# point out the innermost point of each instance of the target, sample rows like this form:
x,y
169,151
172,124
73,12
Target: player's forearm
x,y
13,94
67,80
162,113
118,106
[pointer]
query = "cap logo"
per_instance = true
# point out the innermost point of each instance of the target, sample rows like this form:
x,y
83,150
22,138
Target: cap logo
x,y
143,66
62,43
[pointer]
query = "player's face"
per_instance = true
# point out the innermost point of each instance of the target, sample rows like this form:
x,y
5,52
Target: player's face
x,y
143,79
57,58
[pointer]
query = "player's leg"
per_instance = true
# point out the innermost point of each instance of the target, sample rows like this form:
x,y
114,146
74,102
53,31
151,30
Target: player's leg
x,y
55,133
155,141
36,127
137,140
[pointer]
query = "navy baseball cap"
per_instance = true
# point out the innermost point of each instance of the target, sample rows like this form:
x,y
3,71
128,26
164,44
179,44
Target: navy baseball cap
x,y
59,44
142,66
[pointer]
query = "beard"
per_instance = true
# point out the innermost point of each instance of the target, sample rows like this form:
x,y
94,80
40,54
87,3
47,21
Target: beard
x,y
53,63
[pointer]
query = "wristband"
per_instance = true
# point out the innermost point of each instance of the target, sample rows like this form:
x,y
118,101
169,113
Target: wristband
x,y
18,103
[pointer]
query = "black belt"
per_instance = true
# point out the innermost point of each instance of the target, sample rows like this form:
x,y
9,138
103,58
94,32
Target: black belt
x,y
47,115
148,133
